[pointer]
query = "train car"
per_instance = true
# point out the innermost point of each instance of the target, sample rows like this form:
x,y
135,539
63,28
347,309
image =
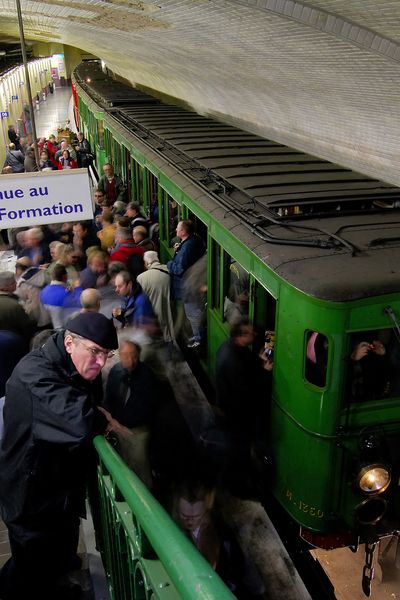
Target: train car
x,y
308,250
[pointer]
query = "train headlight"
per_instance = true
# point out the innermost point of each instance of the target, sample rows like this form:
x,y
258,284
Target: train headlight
x,y
373,479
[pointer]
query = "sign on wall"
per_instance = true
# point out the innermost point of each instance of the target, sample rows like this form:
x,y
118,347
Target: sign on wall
x,y
46,197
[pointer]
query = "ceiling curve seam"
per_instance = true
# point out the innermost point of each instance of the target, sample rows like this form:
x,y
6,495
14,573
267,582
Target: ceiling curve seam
x,y
328,23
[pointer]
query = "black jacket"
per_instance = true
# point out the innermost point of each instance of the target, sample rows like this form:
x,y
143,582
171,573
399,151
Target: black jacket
x,y
49,423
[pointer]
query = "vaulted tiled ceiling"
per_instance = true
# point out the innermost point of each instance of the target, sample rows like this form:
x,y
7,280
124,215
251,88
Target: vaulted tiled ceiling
x,y
321,75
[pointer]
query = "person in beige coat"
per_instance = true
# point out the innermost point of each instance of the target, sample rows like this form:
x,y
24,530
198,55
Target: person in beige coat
x,y
156,284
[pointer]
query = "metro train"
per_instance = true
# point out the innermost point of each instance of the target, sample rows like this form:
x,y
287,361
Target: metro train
x,y
314,248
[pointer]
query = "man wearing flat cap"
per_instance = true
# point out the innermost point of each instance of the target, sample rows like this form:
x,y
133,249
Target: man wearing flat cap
x,y
50,419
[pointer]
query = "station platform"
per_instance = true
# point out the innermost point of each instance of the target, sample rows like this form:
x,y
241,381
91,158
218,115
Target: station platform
x,y
54,112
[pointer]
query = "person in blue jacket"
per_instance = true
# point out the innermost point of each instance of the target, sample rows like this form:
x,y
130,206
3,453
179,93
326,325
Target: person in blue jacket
x,y
190,249
136,309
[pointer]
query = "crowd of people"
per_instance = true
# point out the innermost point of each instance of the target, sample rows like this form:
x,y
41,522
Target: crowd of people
x,y
87,333
53,156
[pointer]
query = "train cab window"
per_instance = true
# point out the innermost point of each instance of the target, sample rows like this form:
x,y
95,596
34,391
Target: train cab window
x,y
316,358
374,365
236,288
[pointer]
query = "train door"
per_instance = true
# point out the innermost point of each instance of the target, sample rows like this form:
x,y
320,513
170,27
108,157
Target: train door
x,y
150,200
99,148
228,297
108,143
137,192
116,156
126,172
262,314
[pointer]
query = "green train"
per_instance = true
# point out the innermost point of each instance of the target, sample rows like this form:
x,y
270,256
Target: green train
x,y
315,248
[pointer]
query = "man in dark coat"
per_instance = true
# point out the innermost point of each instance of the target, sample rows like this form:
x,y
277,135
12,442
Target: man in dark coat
x,y
50,417
243,383
132,392
187,253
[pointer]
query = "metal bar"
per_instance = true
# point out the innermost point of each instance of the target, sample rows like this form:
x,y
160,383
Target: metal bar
x,y
27,79
190,573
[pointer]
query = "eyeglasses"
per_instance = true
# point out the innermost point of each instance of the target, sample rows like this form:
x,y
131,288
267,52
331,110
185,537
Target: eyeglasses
x,y
95,352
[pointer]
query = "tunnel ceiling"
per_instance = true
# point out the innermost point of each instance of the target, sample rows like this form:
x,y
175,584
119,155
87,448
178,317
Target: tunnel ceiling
x,y
321,75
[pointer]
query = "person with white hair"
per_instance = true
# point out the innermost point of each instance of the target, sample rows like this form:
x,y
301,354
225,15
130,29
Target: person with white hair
x,y
156,284
35,247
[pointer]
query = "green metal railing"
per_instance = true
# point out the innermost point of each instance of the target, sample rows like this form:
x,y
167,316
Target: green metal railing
x,y
145,555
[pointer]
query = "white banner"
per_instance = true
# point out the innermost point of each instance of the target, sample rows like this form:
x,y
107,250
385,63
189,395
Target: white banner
x,y
46,197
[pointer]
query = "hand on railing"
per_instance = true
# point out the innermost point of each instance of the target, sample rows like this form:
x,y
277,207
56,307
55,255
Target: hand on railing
x,y
113,424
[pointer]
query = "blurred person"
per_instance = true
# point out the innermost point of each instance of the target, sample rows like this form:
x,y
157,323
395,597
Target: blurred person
x,y
136,309
141,238
46,455
156,284
112,185
90,300
107,232
118,209
52,147
55,249
14,159
12,348
35,247
84,238
45,163
192,510
12,315
31,279
132,399
14,137
194,296
30,165
135,216
96,267
190,249
58,298
242,383
127,252
69,257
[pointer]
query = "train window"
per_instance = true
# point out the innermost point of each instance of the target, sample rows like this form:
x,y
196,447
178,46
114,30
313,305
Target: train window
x,y
126,170
174,215
199,227
151,202
374,365
236,290
137,189
316,358
100,133
108,143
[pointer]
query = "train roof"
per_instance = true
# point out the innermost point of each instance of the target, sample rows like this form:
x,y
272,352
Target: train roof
x,y
329,231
